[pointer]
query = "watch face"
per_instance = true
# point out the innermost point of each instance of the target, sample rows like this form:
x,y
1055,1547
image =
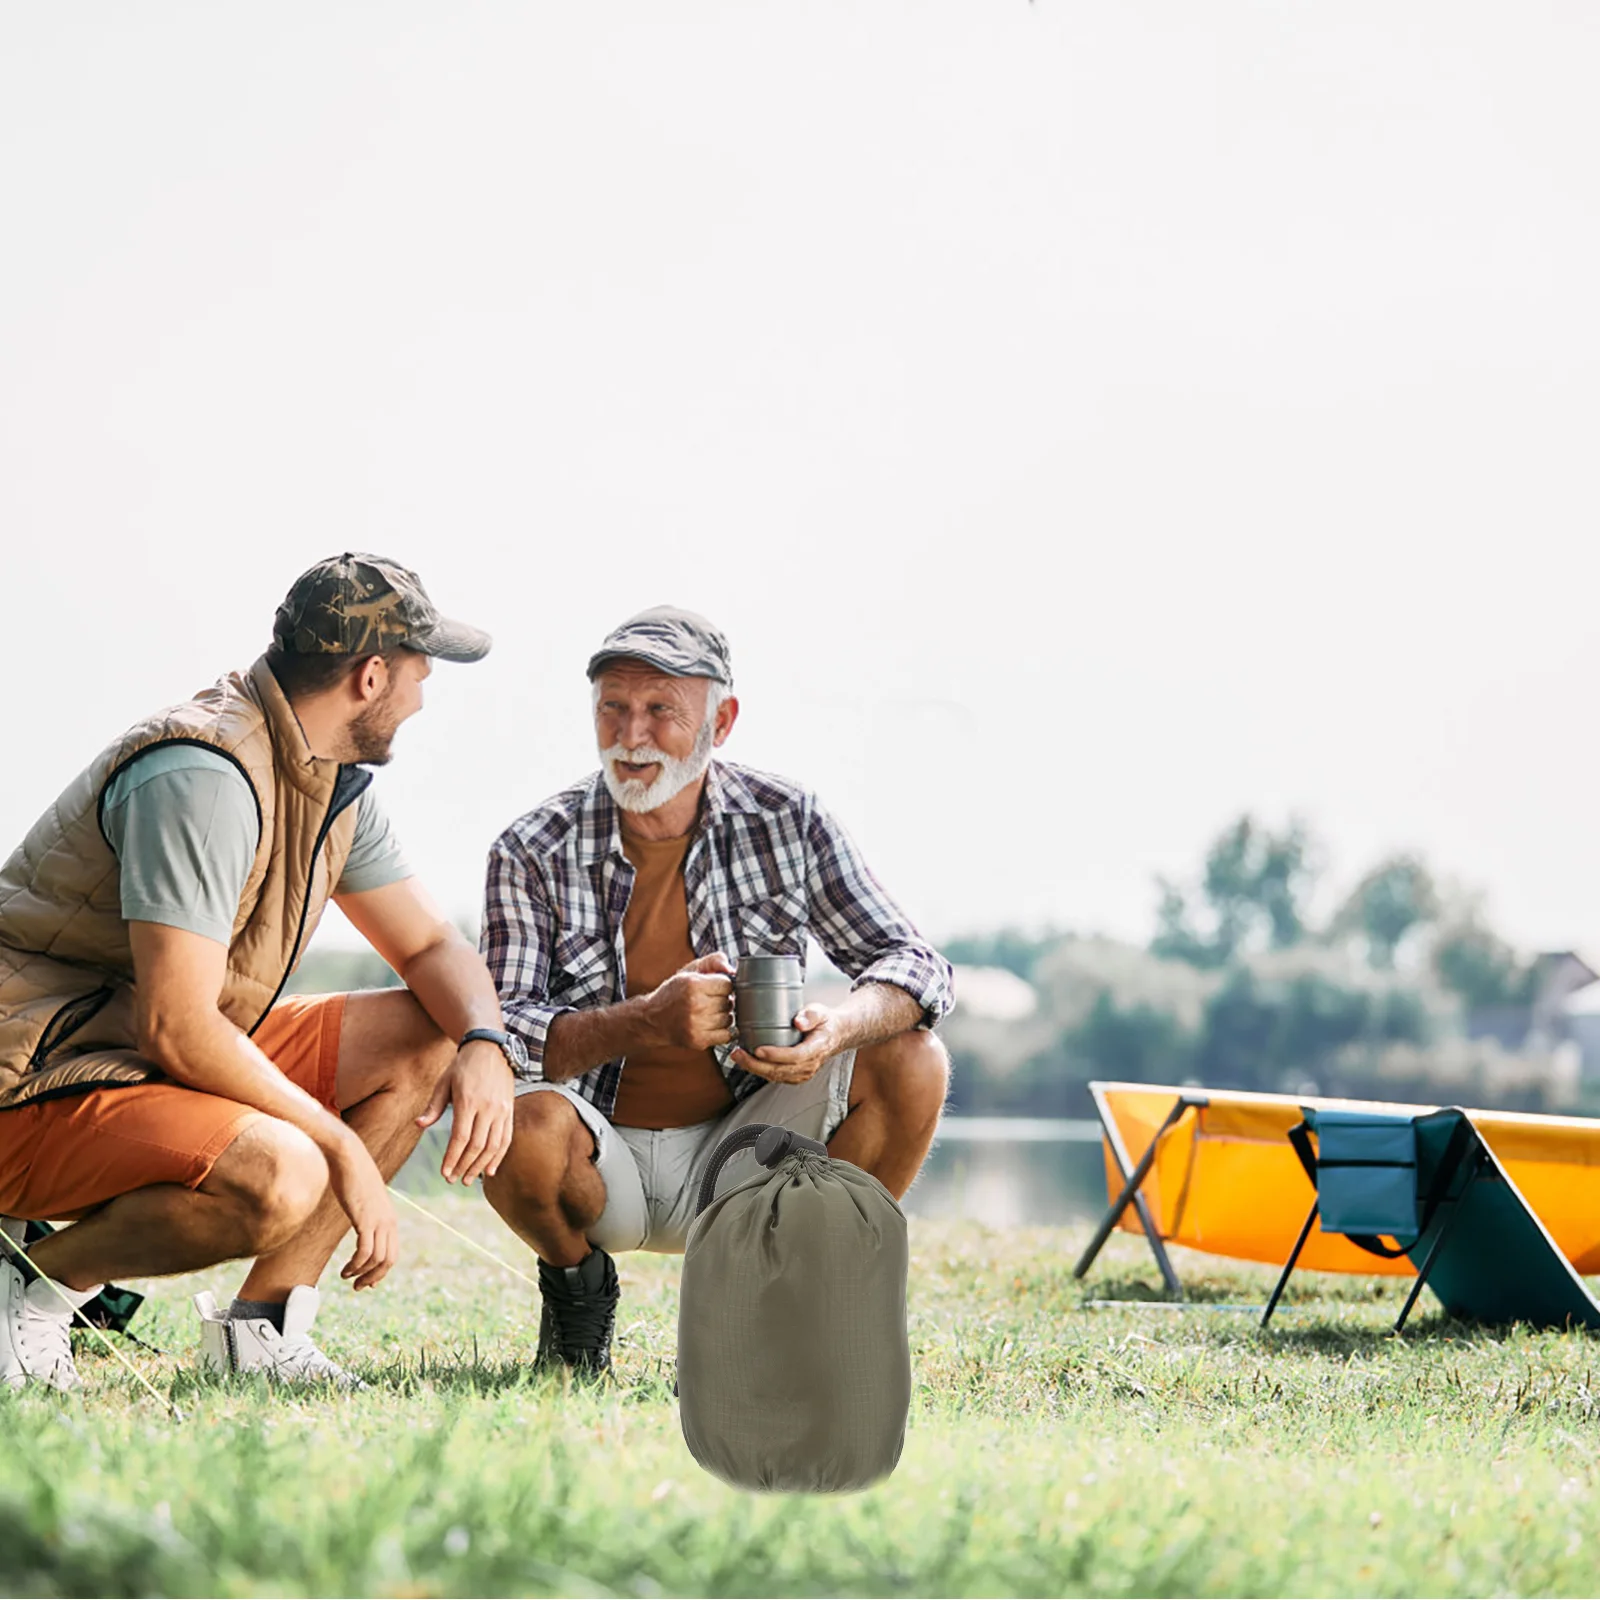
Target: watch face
x,y
517,1050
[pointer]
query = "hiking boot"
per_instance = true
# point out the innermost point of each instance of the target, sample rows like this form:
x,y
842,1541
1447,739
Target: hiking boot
x,y
252,1344
580,1310
36,1329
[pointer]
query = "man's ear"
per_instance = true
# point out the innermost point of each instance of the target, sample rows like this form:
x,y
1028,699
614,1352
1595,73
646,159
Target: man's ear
x,y
727,715
371,678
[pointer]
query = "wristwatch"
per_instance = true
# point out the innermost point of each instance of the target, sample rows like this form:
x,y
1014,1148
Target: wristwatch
x,y
516,1052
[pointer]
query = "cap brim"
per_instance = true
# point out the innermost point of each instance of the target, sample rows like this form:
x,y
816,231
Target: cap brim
x,y
673,669
449,640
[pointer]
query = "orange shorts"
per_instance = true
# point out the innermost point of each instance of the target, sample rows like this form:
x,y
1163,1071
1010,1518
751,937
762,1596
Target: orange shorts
x,y
61,1158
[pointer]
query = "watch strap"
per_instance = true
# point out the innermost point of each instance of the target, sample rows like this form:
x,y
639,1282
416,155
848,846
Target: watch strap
x,y
511,1047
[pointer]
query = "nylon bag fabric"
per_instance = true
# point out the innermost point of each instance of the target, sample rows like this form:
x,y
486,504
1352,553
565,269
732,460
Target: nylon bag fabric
x,y
794,1366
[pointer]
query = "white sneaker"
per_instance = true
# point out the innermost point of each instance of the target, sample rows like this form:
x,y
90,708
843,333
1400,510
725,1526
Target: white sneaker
x,y
36,1329
252,1344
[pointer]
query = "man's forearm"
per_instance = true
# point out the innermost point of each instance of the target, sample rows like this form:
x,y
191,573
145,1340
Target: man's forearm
x,y
579,1040
875,1012
453,986
209,1054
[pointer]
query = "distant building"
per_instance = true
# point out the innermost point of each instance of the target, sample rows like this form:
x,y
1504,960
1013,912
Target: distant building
x,y
1561,1024
1541,1024
1562,975
1580,1015
1555,1036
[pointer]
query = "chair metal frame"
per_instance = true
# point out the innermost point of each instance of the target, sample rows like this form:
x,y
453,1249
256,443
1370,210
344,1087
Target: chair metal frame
x,y
1133,1177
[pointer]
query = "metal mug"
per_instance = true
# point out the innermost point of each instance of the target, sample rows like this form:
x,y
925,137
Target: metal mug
x,y
767,992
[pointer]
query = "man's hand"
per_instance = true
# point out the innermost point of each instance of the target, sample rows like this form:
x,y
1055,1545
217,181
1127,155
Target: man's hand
x,y
693,1009
479,1089
359,1188
824,1037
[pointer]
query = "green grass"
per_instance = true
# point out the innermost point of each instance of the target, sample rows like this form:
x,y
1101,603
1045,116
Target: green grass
x,y
1053,1449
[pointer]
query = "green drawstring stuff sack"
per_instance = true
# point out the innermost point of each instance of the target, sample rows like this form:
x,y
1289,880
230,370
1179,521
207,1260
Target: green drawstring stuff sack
x,y
794,1369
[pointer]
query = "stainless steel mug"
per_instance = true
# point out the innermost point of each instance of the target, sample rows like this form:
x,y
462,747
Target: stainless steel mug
x,y
767,992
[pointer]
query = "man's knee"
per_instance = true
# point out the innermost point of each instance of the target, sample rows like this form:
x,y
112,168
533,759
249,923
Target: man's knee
x,y
391,1045
549,1142
275,1176
908,1074
426,1053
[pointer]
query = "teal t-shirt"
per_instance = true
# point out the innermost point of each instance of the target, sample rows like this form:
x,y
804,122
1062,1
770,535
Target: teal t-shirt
x,y
182,821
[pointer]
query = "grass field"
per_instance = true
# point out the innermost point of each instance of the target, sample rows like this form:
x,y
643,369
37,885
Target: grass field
x,y
1053,1449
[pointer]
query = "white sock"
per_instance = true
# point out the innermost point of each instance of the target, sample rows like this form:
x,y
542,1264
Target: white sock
x,y
56,1299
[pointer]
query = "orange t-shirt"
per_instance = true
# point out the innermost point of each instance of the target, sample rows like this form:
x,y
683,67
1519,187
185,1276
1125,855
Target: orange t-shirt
x,y
668,1087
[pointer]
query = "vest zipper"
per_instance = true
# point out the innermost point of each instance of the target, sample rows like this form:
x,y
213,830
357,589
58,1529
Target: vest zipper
x,y
73,1015
347,787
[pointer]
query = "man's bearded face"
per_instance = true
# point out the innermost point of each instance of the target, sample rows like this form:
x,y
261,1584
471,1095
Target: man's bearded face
x,y
373,729
626,770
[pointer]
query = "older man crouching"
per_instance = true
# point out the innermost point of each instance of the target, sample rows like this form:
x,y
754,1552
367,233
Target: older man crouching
x,y
614,915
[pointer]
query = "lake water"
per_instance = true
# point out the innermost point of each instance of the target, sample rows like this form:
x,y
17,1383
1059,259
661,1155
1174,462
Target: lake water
x,y
1012,1171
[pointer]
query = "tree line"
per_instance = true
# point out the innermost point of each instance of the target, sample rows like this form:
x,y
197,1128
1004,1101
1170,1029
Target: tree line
x,y
1255,979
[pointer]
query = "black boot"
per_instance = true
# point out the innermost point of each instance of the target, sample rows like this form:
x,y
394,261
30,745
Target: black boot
x,y
580,1310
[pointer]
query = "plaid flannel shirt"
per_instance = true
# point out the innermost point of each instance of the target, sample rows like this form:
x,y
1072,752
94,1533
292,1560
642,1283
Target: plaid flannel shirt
x,y
766,867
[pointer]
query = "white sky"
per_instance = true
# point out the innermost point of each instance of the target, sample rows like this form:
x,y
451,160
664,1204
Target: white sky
x,y
1086,420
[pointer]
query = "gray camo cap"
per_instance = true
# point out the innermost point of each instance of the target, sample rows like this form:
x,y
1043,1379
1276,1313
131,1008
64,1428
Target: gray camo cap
x,y
681,643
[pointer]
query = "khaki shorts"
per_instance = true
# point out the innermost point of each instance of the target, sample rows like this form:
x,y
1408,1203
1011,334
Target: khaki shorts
x,y
653,1177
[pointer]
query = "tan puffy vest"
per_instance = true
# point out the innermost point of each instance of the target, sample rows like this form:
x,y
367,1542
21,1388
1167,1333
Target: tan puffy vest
x,y
66,970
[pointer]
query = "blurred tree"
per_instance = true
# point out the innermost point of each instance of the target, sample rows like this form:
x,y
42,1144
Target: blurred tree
x,y
1477,964
1238,1046
1010,948
1254,888
1255,877
1319,1017
1257,1029
1396,898
1404,1018
1175,937
1240,989
1138,1043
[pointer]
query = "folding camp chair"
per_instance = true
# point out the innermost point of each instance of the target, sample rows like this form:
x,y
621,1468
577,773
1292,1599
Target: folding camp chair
x,y
1376,1175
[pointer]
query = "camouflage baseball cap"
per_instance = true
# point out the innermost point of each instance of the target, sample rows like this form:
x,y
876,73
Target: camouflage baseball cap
x,y
353,604
681,643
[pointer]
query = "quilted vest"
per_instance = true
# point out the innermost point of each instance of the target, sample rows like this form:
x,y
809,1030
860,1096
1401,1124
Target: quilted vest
x,y
67,1022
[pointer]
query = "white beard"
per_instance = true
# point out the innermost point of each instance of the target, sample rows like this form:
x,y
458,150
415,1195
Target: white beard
x,y
634,794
